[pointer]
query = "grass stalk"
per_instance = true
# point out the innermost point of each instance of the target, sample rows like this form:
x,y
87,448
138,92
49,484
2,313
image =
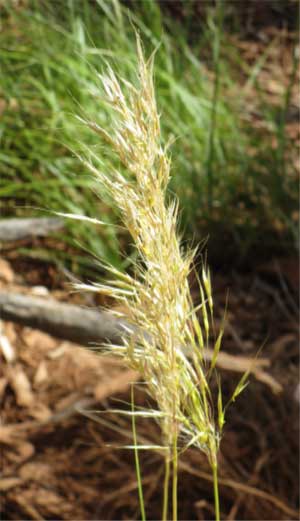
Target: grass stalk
x,y
174,479
157,297
216,491
137,460
166,488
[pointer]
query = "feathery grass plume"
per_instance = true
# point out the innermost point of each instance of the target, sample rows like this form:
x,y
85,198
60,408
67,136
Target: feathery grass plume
x,y
167,341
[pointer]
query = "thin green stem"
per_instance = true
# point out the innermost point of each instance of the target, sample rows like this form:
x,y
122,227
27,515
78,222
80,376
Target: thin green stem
x,y
216,491
137,461
174,478
166,488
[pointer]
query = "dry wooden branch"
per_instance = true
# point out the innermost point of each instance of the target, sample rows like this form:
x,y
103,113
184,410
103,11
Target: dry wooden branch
x,y
66,321
88,326
17,229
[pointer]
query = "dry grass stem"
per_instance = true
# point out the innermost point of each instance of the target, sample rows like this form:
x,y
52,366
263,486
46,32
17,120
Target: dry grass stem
x,y
157,295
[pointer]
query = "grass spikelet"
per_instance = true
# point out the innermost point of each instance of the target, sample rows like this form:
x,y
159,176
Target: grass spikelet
x,y
167,342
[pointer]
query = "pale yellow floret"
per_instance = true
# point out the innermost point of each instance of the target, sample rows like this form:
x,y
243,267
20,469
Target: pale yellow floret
x,y
157,296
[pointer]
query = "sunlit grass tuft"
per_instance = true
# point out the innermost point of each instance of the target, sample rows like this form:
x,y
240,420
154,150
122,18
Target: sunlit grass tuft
x,y
48,75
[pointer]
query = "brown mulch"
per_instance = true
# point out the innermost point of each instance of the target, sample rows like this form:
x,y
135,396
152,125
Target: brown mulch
x,y
60,461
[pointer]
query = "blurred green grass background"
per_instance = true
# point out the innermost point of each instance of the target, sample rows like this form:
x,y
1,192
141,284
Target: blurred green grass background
x,y
234,160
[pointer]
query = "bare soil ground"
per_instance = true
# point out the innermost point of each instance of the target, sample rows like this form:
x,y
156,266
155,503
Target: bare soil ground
x,y
59,460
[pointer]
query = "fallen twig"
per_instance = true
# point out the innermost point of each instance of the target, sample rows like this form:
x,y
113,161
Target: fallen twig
x,y
17,229
89,326
66,321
